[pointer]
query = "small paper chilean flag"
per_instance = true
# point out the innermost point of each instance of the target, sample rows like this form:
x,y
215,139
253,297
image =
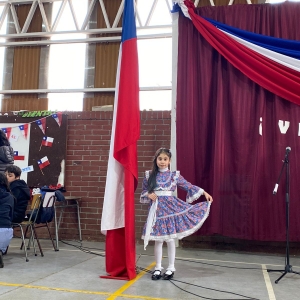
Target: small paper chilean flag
x,y
42,124
47,141
17,156
43,162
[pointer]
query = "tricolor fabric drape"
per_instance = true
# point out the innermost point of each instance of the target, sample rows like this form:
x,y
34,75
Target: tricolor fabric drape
x,y
118,215
232,132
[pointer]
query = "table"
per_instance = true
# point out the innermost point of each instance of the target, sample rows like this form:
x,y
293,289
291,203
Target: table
x,y
70,201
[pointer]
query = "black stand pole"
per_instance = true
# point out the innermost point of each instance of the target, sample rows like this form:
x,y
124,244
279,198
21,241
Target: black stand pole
x,y
288,267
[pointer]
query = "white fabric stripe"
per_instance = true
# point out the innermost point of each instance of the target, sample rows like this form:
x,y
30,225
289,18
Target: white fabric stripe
x,y
150,222
285,60
163,193
113,211
183,7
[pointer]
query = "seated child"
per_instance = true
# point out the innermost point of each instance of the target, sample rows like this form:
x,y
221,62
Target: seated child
x,y
6,215
20,191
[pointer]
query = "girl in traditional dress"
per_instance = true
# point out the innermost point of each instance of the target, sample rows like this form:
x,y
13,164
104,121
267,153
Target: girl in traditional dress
x,y
170,218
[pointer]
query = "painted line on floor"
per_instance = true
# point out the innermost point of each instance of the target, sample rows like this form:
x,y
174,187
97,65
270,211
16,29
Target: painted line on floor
x,y
119,292
45,288
268,283
225,261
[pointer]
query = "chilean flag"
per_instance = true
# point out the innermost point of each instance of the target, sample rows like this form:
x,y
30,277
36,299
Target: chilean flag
x,y
273,63
43,162
18,157
58,118
42,124
24,130
7,131
47,141
118,216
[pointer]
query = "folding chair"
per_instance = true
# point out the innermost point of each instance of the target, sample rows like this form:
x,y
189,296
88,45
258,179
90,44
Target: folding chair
x,y
45,215
35,206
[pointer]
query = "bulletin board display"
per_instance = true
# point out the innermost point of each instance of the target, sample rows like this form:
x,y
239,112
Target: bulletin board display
x,y
39,145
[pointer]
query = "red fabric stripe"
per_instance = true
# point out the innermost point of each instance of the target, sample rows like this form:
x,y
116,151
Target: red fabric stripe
x,y
128,112
115,254
274,77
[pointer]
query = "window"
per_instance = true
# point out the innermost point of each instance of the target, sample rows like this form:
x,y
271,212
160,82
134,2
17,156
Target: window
x,y
2,51
67,61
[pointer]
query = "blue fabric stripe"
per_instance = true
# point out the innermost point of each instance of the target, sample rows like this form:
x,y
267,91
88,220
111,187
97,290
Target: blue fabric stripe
x,y
129,26
287,47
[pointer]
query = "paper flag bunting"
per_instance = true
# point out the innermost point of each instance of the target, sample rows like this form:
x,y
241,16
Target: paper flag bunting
x,y
58,118
42,124
7,131
24,130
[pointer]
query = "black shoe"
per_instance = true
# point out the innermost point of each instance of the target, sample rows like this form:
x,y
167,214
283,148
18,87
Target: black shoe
x,y
156,275
168,275
1,260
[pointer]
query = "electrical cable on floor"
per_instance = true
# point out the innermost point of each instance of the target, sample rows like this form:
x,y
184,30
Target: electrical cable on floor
x,y
83,249
86,250
207,297
199,286
209,264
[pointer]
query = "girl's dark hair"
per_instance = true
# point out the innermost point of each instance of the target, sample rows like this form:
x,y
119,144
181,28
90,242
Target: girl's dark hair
x,y
152,177
4,182
3,139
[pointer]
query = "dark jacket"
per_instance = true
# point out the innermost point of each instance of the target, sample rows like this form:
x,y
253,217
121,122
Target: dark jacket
x,y
6,208
21,192
6,157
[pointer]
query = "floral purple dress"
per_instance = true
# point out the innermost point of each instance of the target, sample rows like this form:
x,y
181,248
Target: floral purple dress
x,y
169,217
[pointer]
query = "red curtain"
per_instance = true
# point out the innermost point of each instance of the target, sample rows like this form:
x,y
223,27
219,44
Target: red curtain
x,y
232,133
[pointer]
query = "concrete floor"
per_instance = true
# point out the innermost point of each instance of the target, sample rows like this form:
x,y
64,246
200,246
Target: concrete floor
x,y
73,274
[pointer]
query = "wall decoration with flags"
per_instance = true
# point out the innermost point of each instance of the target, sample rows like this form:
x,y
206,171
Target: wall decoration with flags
x,y
37,142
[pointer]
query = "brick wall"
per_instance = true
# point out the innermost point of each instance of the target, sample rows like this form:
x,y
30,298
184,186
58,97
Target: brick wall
x,y
86,165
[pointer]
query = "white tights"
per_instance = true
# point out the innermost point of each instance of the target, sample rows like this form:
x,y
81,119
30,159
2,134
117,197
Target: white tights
x,y
171,254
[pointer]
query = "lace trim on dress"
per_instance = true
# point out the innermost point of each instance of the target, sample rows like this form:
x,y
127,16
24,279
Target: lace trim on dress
x,y
144,198
195,196
181,235
177,214
150,223
163,170
173,182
